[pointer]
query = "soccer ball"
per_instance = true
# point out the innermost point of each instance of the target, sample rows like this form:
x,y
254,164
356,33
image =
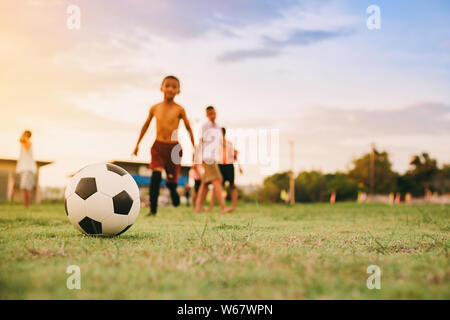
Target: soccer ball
x,y
102,200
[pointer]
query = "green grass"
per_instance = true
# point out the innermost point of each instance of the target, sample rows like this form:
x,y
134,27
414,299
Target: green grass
x,y
317,251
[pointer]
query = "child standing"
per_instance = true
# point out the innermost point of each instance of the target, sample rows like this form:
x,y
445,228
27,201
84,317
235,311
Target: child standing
x,y
26,167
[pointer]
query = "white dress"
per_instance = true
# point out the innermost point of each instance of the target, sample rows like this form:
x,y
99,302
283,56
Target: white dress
x,y
26,161
26,167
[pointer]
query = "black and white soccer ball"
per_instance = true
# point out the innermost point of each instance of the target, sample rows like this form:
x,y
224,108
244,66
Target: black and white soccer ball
x,y
102,199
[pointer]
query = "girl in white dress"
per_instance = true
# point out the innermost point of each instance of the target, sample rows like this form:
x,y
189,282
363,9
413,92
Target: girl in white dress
x,y
26,167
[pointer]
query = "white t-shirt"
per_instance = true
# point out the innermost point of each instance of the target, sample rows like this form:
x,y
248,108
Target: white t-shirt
x,y
211,142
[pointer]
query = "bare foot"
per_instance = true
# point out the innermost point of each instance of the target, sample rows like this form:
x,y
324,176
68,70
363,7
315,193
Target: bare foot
x,y
226,210
198,210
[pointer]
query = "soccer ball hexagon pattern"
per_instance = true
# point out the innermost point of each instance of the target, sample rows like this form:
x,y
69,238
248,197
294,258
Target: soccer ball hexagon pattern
x,y
102,200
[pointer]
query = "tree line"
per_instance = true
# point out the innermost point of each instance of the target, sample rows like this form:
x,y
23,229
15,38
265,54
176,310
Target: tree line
x,y
371,173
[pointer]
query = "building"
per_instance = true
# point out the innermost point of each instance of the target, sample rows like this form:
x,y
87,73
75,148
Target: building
x,y
142,175
10,181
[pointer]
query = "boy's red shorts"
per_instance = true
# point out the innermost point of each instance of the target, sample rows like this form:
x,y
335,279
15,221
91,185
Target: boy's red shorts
x,y
167,155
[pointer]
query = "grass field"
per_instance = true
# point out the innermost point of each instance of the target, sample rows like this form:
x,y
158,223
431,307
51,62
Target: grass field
x,y
317,251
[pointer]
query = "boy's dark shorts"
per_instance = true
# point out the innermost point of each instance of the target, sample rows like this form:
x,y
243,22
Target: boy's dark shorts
x,y
197,184
161,153
227,171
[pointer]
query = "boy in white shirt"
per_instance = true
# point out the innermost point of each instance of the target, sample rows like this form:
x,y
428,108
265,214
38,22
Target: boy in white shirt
x,y
210,145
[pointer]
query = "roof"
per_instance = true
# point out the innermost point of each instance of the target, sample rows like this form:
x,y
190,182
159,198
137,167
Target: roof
x,y
137,163
126,165
145,181
14,161
119,162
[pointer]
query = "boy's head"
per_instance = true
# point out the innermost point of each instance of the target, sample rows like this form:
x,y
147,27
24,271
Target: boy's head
x,y
224,131
26,134
170,86
211,113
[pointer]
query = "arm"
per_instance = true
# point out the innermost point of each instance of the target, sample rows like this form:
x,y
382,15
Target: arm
x,y
195,168
187,124
235,159
143,131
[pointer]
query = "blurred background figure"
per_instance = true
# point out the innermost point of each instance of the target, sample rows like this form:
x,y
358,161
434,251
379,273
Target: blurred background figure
x,y
196,171
284,196
26,167
333,197
187,193
228,156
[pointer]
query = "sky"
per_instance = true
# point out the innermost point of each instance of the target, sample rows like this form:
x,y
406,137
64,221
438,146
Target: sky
x,y
310,69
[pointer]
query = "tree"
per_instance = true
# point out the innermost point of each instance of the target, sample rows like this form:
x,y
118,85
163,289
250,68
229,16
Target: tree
x,y
424,170
272,187
345,188
384,177
441,180
446,175
310,187
406,183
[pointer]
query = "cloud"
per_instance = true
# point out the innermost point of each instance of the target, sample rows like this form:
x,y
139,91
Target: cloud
x,y
238,55
420,118
298,26
178,19
423,118
272,47
328,138
346,134
46,3
304,38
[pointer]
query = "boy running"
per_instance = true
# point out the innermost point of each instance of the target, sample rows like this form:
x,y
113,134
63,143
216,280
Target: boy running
x,y
166,151
210,143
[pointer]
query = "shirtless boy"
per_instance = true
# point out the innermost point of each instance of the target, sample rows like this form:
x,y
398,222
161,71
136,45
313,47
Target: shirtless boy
x,y
166,151
228,156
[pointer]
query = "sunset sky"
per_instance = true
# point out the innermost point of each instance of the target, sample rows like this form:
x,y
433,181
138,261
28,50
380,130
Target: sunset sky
x,y
311,69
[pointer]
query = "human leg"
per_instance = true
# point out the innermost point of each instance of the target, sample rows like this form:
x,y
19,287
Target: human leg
x,y
155,185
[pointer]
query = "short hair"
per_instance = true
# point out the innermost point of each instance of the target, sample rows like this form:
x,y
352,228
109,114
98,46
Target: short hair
x,y
224,131
171,77
209,108
28,133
